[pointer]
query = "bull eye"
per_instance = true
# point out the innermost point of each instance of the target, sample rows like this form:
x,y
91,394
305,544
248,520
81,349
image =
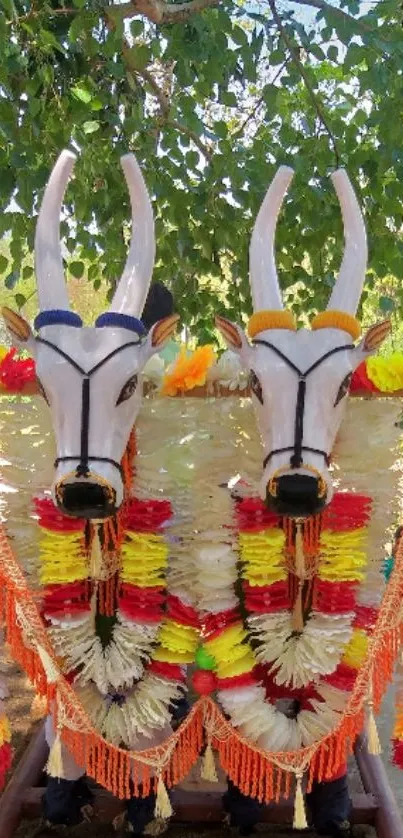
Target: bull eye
x,y
127,390
255,386
344,388
42,390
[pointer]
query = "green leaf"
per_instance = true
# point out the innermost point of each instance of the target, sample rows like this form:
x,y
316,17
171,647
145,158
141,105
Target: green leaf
x,y
333,53
386,304
20,300
96,104
82,94
90,127
136,28
229,99
140,56
11,280
8,6
77,269
3,263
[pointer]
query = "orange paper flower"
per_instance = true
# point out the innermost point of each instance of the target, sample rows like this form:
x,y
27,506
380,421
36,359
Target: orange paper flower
x,y
189,371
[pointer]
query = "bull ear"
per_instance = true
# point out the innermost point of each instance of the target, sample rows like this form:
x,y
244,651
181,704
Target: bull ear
x,y
375,336
163,330
19,329
158,336
232,334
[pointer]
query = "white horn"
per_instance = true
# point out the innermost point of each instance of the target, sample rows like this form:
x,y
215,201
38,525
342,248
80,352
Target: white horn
x,y
131,293
52,290
264,283
347,290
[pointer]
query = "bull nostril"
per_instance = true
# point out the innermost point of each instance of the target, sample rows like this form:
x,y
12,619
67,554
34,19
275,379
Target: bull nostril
x,y
297,495
86,499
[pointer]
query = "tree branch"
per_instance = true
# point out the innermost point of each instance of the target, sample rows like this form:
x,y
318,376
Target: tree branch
x,y
298,63
164,104
158,11
239,131
344,16
187,132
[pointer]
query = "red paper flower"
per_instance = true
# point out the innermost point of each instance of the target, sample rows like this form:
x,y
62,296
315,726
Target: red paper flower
x,y
360,380
15,373
204,681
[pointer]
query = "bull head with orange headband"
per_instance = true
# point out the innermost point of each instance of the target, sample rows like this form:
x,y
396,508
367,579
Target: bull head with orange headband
x,y
300,379
91,376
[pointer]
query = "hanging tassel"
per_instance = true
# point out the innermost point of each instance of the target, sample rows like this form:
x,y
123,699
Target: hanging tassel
x,y
163,808
208,770
297,613
374,745
96,552
299,551
300,821
54,765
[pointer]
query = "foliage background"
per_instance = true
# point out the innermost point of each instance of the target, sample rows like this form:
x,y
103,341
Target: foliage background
x,y
211,96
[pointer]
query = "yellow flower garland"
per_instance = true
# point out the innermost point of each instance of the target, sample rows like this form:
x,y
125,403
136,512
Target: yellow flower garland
x,y
62,558
262,557
344,558
144,559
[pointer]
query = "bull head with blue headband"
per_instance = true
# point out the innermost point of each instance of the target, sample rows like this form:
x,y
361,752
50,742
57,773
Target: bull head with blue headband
x,y
91,376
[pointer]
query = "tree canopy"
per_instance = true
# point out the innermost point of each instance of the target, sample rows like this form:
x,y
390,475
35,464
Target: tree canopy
x,y
211,96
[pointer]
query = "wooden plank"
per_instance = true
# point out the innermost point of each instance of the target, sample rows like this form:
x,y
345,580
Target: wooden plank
x,y
197,807
388,820
26,774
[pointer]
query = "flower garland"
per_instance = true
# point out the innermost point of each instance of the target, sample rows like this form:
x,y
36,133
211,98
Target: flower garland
x,y
334,634
106,673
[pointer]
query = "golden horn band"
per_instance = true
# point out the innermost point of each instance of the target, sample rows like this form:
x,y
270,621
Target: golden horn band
x,y
334,319
331,319
262,320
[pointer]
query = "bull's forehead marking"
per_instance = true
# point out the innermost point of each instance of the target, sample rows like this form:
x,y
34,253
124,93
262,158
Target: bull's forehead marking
x,y
88,345
303,347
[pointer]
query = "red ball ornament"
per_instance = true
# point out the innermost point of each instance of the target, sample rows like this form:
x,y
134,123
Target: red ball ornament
x,y
204,681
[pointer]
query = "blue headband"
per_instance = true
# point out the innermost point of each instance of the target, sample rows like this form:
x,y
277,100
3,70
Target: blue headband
x,y
57,316
124,321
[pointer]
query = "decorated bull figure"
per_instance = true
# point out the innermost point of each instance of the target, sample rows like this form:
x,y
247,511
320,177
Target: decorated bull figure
x,y
300,379
91,379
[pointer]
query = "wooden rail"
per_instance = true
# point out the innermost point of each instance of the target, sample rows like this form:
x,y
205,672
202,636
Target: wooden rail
x,y
27,774
376,806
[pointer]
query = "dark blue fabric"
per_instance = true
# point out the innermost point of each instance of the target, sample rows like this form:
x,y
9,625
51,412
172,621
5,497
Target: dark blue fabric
x,y
64,799
56,316
330,807
244,812
122,321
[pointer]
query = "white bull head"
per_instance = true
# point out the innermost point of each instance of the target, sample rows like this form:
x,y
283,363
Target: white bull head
x,y
90,376
300,379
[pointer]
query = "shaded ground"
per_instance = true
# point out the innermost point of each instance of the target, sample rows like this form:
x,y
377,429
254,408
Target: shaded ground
x,y
30,830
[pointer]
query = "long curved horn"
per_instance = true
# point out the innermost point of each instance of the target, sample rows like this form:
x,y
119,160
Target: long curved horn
x,y
132,289
52,290
264,283
347,290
